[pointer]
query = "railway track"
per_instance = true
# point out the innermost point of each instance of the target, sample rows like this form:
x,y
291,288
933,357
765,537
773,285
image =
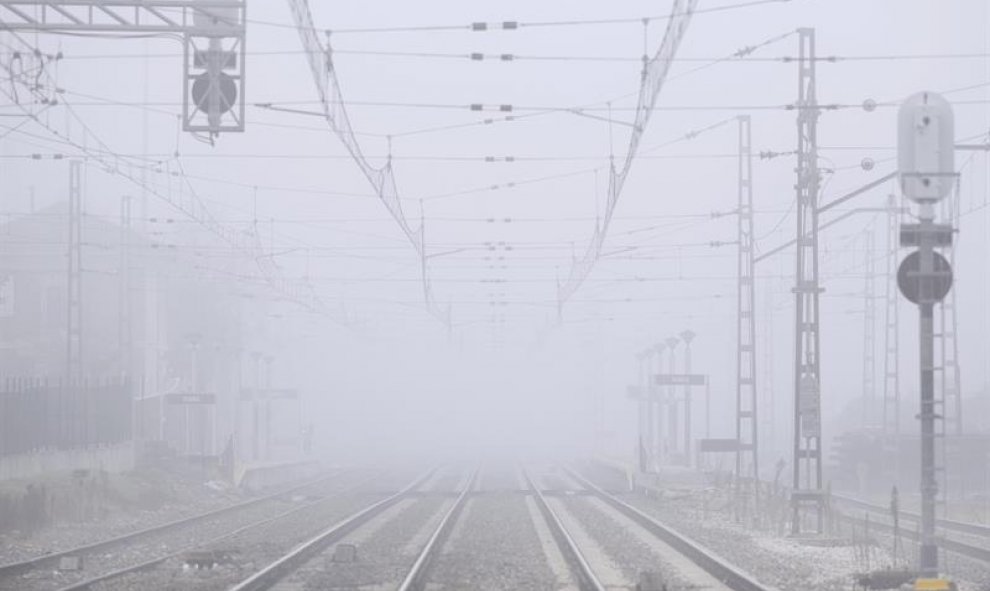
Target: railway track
x,y
717,568
948,525
956,546
586,578
313,562
416,578
40,571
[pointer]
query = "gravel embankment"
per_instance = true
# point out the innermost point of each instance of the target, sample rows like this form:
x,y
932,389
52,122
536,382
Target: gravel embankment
x,y
173,540
384,555
774,560
623,548
494,547
257,546
121,504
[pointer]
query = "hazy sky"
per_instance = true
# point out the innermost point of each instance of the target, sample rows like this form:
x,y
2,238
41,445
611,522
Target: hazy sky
x,y
511,364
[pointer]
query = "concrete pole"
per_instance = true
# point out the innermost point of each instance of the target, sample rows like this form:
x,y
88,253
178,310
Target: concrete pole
x,y
687,336
255,420
268,407
658,403
673,408
642,441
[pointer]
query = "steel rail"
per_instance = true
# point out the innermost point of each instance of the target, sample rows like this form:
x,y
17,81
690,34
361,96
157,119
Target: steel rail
x,y
962,527
16,568
730,576
272,574
148,564
948,544
416,578
587,579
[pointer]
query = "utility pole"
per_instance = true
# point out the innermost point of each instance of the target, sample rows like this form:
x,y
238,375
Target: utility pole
x,y
926,162
125,336
869,330
673,409
255,412
268,406
807,465
746,396
687,336
769,414
74,345
645,443
658,403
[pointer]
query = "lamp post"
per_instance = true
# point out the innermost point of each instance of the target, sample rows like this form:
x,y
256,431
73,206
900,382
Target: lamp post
x,y
268,406
255,419
658,403
673,408
687,336
194,340
643,441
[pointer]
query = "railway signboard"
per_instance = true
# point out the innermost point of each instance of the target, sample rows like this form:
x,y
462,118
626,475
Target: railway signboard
x,y
718,445
682,379
269,394
190,398
917,288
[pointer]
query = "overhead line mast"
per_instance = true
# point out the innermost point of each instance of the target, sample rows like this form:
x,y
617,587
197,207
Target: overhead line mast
x,y
747,425
807,463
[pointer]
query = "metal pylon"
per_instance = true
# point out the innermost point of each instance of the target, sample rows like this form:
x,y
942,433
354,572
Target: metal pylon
x,y
869,392
747,465
946,328
807,490
948,394
73,341
891,423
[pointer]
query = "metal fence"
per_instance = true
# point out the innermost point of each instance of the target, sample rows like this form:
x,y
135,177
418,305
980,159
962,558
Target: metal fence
x,y
58,414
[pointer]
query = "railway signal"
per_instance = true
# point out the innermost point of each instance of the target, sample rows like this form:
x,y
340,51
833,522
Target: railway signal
x,y
212,31
927,174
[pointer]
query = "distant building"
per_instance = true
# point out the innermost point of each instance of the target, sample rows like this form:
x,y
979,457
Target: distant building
x,y
171,323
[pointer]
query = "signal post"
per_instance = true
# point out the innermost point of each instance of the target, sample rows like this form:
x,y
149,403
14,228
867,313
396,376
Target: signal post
x,y
926,168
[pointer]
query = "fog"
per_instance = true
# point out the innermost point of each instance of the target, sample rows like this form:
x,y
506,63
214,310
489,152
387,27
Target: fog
x,y
373,362
264,260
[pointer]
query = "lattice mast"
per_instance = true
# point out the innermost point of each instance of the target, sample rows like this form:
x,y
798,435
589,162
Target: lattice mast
x,y
747,453
807,490
869,393
946,331
891,423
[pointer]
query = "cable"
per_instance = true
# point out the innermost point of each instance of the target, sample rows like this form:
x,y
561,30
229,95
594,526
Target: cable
x,y
510,25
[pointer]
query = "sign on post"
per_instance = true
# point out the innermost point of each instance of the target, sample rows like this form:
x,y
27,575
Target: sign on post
x,y
675,379
269,394
932,287
190,398
718,445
